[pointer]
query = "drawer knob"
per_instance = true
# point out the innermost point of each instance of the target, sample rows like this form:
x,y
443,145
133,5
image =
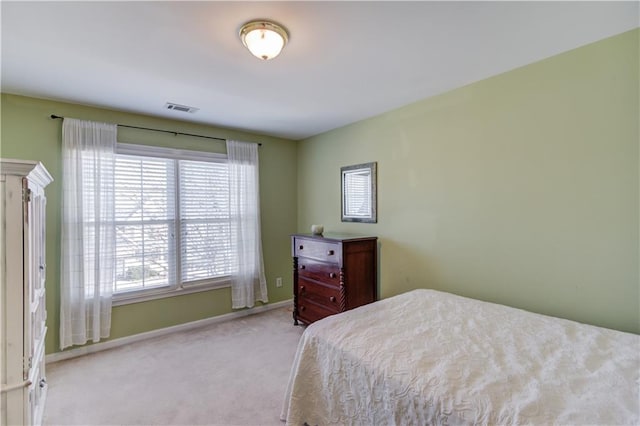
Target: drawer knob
x,y
332,275
332,298
300,247
301,289
302,308
330,253
303,267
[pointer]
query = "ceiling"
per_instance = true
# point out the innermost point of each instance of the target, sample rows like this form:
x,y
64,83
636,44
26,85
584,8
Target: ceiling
x,y
345,61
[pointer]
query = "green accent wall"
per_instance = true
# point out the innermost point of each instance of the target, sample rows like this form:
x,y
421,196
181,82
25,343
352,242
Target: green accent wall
x,y
521,189
28,133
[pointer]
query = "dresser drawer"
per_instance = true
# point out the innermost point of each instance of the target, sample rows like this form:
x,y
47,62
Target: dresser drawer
x,y
326,295
309,311
326,273
319,250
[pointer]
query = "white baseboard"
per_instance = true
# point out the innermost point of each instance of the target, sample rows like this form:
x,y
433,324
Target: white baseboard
x,y
84,350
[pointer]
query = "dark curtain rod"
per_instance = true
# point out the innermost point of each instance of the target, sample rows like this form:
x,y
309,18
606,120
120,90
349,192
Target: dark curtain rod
x,y
53,116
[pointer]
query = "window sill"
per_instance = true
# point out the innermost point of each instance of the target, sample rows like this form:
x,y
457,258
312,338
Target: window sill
x,y
162,293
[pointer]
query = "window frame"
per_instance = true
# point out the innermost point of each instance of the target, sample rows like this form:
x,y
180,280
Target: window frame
x,y
177,288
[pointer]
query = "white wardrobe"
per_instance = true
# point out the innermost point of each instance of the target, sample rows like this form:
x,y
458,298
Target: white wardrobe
x,y
22,296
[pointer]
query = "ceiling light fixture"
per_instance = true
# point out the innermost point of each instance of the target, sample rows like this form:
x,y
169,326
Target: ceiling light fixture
x,y
264,39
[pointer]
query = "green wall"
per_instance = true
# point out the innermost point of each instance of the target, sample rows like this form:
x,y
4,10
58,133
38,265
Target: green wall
x,y
521,189
28,133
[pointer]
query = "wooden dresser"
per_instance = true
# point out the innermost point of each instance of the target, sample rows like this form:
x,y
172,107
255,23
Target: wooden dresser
x,y
331,274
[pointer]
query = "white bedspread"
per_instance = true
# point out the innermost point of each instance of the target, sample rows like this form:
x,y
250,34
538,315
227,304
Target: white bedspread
x,y
427,357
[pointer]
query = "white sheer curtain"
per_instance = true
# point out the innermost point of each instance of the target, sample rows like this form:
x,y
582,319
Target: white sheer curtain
x,y
88,231
248,281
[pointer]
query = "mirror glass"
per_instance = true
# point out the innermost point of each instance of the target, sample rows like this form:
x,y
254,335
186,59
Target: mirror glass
x,y
359,193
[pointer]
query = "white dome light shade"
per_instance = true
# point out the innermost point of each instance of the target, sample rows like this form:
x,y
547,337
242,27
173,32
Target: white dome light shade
x,y
264,39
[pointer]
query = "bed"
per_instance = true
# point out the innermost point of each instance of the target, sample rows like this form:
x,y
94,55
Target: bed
x,y
428,357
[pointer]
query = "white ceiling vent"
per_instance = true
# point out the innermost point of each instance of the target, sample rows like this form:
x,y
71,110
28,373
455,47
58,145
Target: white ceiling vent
x,y
182,108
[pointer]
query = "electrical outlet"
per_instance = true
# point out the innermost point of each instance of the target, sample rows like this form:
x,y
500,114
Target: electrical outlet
x,y
278,282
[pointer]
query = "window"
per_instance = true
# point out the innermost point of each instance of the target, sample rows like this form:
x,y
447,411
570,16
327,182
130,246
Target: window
x,y
172,220
204,220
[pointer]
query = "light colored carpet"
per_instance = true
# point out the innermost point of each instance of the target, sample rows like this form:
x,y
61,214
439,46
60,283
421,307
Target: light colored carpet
x,y
231,373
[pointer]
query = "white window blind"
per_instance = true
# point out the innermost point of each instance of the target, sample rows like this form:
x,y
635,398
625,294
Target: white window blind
x,y
204,220
172,217
145,222
357,194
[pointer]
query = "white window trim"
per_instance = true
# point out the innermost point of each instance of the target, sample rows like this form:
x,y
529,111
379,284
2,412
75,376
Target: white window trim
x,y
172,153
171,290
137,296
